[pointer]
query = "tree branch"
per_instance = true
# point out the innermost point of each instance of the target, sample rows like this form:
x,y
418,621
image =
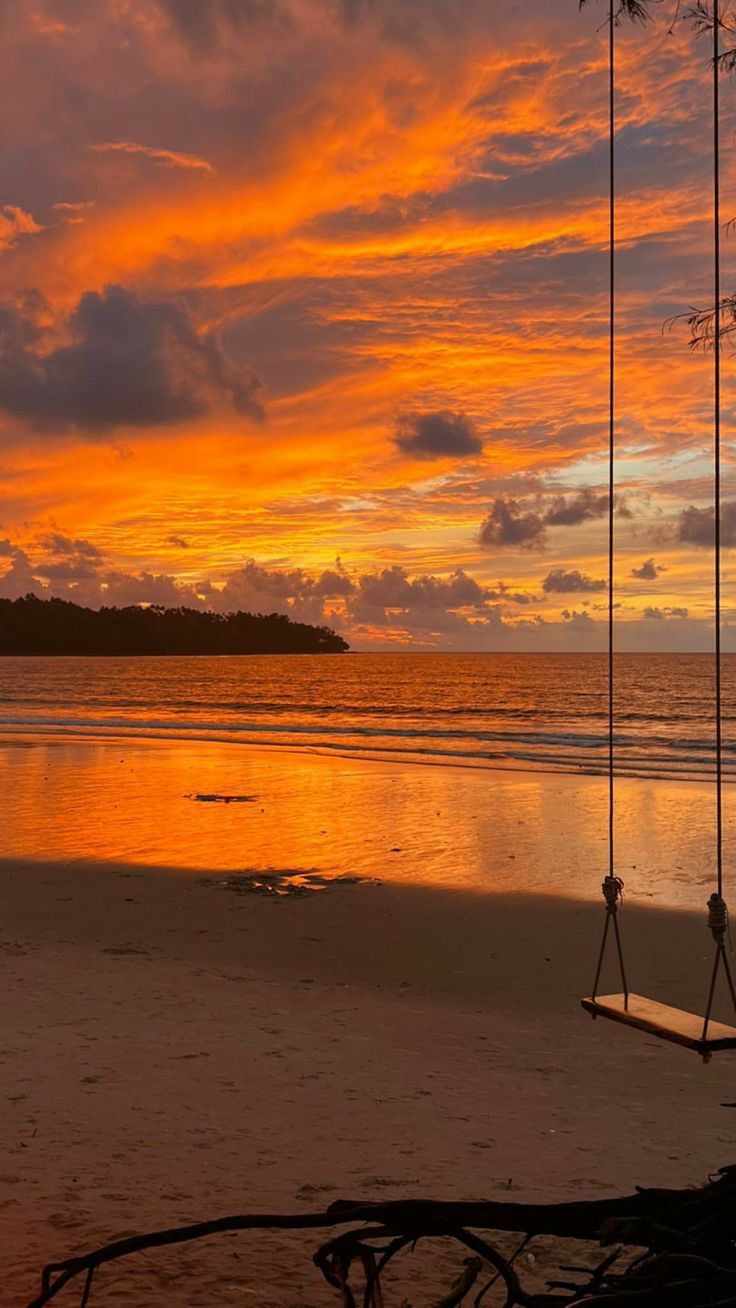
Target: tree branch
x,y
692,1228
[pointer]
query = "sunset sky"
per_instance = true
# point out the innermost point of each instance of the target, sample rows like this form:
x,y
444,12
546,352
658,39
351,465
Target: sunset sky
x,y
304,309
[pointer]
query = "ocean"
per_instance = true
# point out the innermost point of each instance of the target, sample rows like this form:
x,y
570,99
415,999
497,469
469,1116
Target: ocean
x,y
522,712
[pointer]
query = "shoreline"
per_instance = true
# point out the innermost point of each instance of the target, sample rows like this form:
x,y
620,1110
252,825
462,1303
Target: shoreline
x,y
27,735
121,799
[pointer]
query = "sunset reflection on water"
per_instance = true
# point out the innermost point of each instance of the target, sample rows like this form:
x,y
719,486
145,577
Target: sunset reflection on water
x,y
121,800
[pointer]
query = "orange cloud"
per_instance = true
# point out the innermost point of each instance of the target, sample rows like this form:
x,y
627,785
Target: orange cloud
x,y
163,158
15,222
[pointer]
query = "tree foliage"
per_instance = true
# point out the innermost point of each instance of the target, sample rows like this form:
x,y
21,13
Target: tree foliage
x,y
636,10
36,626
700,15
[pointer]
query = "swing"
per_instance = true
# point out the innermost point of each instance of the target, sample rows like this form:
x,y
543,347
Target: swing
x,y
702,1034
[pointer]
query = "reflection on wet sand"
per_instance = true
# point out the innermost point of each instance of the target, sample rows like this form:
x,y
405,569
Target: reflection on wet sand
x,y
221,807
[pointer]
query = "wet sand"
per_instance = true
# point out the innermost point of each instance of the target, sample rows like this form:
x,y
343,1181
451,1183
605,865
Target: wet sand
x,y
173,1049
134,800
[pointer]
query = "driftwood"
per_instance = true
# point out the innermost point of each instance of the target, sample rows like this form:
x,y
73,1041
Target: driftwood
x,y
673,1247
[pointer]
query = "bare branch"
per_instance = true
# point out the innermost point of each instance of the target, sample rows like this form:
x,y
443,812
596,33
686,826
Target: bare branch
x,y
637,10
702,323
687,1236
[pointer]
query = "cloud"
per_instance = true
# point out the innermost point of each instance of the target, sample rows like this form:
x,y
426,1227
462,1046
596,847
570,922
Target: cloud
x,y
648,571
580,620
178,542
162,158
55,543
71,213
661,615
391,588
70,570
585,506
15,222
20,578
378,608
333,582
131,362
70,559
275,590
697,526
509,524
201,22
437,434
559,582
453,611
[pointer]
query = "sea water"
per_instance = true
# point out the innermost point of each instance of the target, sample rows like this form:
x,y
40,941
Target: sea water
x,y
540,712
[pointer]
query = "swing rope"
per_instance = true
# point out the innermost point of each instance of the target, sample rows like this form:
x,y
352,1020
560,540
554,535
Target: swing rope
x,y
717,440
612,886
717,909
611,417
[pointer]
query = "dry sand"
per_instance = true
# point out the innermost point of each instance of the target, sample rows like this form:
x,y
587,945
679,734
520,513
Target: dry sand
x,y
172,1049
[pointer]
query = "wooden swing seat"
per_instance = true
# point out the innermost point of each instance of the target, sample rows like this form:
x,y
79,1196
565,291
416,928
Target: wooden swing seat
x,y
660,1020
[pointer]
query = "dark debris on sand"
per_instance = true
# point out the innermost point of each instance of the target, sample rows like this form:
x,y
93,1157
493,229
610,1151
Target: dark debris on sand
x,y
284,883
223,799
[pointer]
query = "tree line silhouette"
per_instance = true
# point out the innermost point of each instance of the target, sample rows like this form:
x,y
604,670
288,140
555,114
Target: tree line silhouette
x,y
37,626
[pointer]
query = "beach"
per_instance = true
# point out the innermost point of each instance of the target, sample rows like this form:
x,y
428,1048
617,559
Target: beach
x,y
180,1041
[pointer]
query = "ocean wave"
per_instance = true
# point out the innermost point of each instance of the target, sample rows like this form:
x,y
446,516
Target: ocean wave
x,y
569,752
547,713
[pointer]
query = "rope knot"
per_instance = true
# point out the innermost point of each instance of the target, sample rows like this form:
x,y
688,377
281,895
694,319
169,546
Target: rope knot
x,y
613,891
718,917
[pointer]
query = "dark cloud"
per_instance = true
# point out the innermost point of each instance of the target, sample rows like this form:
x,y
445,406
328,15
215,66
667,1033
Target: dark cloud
x,y
585,506
409,22
437,434
649,571
55,543
510,525
19,578
392,589
292,341
573,582
511,522
201,22
333,582
697,526
661,615
131,362
70,570
502,593
123,588
283,590
582,622
178,542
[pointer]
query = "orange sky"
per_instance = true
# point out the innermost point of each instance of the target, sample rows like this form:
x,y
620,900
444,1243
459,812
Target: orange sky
x,y
292,282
